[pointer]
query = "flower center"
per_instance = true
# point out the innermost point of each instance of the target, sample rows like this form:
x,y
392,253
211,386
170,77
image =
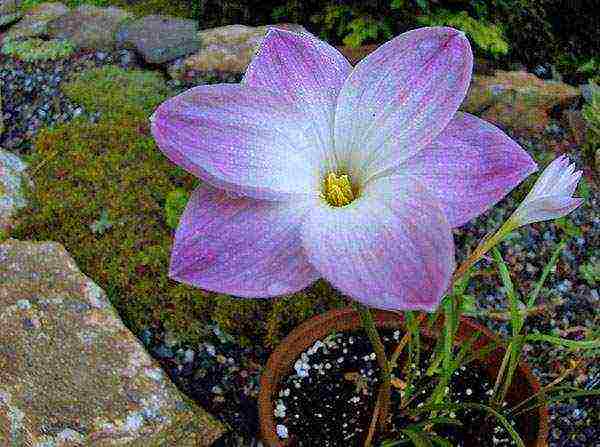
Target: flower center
x,y
338,190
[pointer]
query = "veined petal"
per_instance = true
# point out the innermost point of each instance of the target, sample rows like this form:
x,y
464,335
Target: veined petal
x,y
546,208
400,97
241,139
469,167
240,246
391,248
306,70
550,197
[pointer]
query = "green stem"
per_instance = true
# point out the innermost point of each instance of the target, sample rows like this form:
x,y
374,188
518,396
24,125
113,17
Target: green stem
x,y
369,326
484,246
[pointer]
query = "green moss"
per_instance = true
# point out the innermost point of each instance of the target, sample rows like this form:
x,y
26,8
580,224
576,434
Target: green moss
x,y
34,49
113,90
591,115
102,193
484,35
590,272
175,205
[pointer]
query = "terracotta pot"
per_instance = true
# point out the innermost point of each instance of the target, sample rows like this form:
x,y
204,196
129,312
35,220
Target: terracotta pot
x,y
533,428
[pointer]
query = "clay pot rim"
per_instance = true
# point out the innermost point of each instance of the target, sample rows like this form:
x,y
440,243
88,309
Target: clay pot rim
x,y
348,319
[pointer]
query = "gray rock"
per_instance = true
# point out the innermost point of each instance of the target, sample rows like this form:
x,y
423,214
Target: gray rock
x,y
34,23
71,372
226,49
159,38
588,90
89,26
12,174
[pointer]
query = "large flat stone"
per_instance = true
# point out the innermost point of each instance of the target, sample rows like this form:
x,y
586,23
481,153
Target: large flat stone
x,y
227,48
517,100
71,374
89,26
160,38
34,23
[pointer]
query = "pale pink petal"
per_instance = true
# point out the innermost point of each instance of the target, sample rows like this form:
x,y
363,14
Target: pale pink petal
x,y
469,167
240,246
400,97
550,197
306,70
391,248
241,139
546,208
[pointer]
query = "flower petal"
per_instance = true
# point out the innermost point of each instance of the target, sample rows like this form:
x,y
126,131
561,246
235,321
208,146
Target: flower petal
x,y
469,167
240,246
391,248
400,97
308,71
241,139
546,208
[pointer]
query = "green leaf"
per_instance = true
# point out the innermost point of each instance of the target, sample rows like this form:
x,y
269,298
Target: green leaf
x,y
418,439
101,225
175,204
547,268
442,442
513,301
448,407
469,305
572,344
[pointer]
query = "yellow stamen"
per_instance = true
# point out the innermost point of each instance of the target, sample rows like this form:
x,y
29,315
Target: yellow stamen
x,y
338,191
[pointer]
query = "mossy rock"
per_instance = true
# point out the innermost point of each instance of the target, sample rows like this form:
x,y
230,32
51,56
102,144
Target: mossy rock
x,y
102,194
112,90
35,49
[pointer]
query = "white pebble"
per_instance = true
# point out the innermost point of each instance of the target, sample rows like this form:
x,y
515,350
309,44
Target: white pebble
x,y
282,431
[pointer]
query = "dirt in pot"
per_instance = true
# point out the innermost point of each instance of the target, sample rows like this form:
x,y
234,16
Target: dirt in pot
x,y
330,398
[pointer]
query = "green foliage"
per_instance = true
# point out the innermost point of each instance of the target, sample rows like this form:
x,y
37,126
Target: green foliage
x,y
407,4
34,49
590,272
175,8
111,89
350,25
365,28
568,227
591,114
26,5
591,67
486,36
175,205
291,12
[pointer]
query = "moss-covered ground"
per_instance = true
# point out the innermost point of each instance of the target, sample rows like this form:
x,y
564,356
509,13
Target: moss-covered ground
x,y
101,190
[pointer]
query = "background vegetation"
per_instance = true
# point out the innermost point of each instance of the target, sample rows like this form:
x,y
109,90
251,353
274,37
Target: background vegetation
x,y
562,33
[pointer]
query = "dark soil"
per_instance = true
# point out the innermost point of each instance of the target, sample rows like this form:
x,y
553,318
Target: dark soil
x,y
331,402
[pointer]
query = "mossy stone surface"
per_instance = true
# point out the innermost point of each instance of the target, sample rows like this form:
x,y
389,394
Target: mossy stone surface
x,y
113,91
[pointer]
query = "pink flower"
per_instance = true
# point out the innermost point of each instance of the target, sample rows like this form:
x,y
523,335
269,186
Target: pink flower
x,y
550,197
312,169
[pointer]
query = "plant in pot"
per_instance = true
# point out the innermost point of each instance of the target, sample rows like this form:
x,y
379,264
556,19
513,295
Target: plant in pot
x,y
313,168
